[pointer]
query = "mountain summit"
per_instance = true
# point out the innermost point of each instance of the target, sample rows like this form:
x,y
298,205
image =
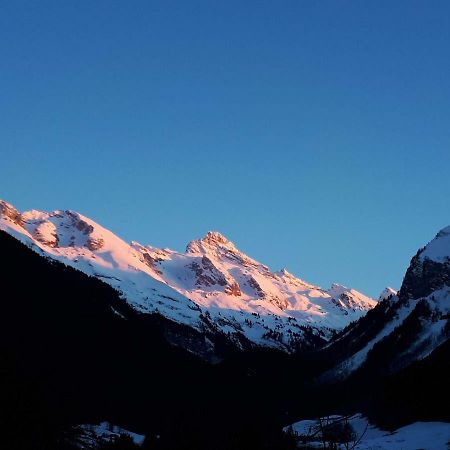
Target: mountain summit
x,y
212,287
212,239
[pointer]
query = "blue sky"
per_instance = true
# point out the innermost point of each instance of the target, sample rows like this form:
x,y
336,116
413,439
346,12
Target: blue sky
x,y
315,135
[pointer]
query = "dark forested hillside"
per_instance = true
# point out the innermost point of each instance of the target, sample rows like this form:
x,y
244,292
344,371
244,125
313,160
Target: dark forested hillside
x,y
417,392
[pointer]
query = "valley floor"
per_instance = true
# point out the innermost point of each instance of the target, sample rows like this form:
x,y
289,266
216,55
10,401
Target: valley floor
x,y
416,436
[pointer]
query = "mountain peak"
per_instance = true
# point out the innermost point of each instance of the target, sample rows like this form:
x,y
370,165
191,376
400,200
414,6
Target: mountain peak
x,y
213,240
215,237
439,248
387,292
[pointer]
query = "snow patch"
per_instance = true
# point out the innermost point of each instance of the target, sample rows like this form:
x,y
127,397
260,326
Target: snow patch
x,y
418,435
91,435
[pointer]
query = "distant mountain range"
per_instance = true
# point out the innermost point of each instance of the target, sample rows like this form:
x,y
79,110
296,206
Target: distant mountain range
x,y
212,287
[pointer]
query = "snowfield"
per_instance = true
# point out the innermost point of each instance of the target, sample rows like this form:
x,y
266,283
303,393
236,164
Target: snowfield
x,y
212,279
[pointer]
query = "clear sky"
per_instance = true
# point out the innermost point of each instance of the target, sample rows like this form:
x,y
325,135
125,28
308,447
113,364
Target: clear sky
x,y
314,134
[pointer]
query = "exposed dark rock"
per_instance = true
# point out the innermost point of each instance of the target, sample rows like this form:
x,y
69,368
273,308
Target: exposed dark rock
x,y
423,277
9,211
94,244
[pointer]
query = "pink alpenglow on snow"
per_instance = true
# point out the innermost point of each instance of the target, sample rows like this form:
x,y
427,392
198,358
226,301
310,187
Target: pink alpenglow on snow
x,y
212,277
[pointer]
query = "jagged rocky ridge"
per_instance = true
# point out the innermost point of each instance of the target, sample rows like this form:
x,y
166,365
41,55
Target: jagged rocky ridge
x,y
213,288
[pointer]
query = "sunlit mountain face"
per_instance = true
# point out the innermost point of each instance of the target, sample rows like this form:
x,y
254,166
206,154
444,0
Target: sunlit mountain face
x,y
212,286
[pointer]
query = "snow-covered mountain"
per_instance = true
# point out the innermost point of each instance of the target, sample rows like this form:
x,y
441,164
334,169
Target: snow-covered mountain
x,y
212,286
405,326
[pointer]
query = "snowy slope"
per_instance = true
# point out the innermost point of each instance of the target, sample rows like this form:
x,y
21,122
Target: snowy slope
x,y
212,284
79,242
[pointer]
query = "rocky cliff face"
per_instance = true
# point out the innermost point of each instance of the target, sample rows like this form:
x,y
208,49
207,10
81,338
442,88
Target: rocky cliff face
x,y
429,270
8,211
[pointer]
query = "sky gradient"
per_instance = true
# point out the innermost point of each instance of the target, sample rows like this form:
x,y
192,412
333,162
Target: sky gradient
x,y
314,135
